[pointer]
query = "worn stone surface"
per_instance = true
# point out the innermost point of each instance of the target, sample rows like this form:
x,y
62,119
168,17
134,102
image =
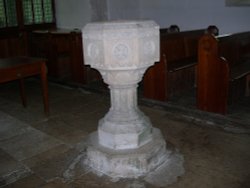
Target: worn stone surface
x,y
131,163
122,51
125,144
11,170
30,181
213,157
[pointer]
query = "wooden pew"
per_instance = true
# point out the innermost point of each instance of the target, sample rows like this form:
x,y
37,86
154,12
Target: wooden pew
x,y
223,71
63,49
176,70
13,43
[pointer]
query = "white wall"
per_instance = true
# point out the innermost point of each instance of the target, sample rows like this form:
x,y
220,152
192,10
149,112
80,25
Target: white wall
x,y
188,14
71,14
123,9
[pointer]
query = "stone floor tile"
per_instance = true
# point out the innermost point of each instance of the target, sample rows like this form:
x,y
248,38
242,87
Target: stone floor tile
x,y
11,126
27,115
78,104
56,183
28,144
31,181
61,130
91,180
10,169
53,163
87,124
47,155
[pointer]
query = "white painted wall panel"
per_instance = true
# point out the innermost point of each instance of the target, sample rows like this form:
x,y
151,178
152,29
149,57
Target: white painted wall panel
x,y
188,14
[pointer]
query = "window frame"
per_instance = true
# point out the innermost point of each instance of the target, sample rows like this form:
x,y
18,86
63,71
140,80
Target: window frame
x,y
21,22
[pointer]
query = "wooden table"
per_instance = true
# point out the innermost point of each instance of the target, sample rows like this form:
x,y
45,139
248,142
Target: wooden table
x,y
18,68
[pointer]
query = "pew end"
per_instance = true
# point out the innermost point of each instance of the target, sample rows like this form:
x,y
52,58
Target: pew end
x,y
222,72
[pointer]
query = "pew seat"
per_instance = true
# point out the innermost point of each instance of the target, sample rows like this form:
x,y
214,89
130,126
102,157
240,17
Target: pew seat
x,y
239,71
182,63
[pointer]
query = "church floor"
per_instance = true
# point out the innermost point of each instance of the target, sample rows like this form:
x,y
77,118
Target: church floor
x,y
37,151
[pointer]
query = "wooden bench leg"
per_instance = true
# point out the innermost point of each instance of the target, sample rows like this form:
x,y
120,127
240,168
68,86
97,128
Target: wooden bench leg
x,y
22,92
44,82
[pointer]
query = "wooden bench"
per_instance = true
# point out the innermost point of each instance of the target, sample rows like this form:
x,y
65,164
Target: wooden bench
x,y
13,43
18,68
175,72
64,51
223,71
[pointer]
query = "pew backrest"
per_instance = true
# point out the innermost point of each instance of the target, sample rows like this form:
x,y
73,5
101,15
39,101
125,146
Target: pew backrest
x,y
180,48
